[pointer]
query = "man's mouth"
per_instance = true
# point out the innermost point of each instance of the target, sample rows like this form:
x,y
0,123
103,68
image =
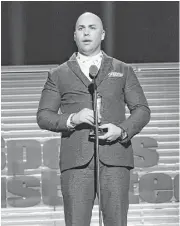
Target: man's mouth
x,y
87,41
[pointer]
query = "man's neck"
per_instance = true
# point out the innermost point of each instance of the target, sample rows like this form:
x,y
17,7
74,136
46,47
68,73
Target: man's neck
x,y
89,56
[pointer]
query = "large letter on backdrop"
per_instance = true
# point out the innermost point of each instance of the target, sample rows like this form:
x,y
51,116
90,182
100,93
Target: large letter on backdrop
x,y
51,188
156,188
176,187
21,187
3,192
3,155
145,154
133,199
23,154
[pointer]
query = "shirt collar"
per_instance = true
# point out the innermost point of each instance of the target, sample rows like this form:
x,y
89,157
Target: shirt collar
x,y
85,59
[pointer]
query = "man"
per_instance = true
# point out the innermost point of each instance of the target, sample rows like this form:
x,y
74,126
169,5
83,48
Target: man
x,y
67,88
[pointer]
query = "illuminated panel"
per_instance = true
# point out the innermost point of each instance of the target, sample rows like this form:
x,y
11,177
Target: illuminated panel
x,y
30,186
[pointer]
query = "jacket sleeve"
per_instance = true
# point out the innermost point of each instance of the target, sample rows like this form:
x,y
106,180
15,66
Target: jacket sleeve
x,y
137,105
49,105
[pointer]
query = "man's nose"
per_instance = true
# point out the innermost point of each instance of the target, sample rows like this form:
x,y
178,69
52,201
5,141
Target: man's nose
x,y
86,32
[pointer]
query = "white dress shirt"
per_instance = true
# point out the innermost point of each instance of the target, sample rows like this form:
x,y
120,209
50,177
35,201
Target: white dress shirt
x,y
85,62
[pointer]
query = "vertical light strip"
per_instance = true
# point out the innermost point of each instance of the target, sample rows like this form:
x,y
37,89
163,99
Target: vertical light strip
x,y
17,33
108,11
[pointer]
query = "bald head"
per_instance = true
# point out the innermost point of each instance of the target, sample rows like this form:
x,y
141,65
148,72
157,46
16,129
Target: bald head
x,y
90,17
89,34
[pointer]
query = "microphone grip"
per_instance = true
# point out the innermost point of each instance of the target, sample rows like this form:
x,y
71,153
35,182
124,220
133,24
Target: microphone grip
x,y
94,84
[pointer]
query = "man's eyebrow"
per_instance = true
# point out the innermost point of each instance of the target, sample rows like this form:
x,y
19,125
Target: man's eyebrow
x,y
80,25
90,25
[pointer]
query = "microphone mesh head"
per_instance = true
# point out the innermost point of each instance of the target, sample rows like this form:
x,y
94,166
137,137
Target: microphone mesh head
x,y
93,71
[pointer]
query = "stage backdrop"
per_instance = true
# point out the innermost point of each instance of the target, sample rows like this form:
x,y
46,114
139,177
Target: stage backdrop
x,y
30,183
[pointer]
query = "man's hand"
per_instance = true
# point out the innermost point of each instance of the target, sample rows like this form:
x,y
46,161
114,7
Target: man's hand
x,y
114,132
86,115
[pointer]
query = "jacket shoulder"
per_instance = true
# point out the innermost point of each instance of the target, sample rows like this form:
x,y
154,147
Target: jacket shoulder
x,y
121,63
121,66
59,68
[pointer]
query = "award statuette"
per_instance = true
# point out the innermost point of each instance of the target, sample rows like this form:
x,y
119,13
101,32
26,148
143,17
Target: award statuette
x,y
100,131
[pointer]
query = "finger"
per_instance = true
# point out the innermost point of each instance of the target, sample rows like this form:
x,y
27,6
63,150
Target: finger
x,y
90,117
110,139
104,126
89,121
105,136
90,112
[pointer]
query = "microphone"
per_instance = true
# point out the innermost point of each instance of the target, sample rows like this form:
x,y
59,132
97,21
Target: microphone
x,y
93,71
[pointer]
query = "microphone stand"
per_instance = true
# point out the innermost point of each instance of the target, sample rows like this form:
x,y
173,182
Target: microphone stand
x,y
97,167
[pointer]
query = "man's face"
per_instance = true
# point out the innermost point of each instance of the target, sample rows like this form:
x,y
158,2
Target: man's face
x,y
88,34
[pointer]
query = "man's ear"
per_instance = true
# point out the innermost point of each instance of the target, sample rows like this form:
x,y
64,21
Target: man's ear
x,y
74,36
103,35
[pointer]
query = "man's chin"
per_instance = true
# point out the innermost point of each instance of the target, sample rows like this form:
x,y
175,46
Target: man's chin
x,y
87,52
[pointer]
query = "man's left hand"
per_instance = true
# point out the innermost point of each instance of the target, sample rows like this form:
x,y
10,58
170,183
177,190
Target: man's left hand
x,y
114,132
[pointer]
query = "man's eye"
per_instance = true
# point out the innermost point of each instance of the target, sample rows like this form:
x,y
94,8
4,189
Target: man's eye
x,y
93,28
80,29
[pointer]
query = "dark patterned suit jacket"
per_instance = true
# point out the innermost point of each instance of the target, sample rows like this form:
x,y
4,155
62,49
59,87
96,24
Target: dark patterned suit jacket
x,y
67,89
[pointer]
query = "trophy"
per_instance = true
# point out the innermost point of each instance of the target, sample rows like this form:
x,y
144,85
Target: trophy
x,y
100,131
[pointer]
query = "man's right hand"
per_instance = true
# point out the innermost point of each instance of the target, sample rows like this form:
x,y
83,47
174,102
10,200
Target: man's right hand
x,y
86,115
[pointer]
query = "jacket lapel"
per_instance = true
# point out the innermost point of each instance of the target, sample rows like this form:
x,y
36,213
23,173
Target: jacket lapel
x,y
106,67
74,66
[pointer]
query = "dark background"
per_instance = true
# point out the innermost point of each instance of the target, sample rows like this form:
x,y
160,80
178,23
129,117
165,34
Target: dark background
x,y
42,32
